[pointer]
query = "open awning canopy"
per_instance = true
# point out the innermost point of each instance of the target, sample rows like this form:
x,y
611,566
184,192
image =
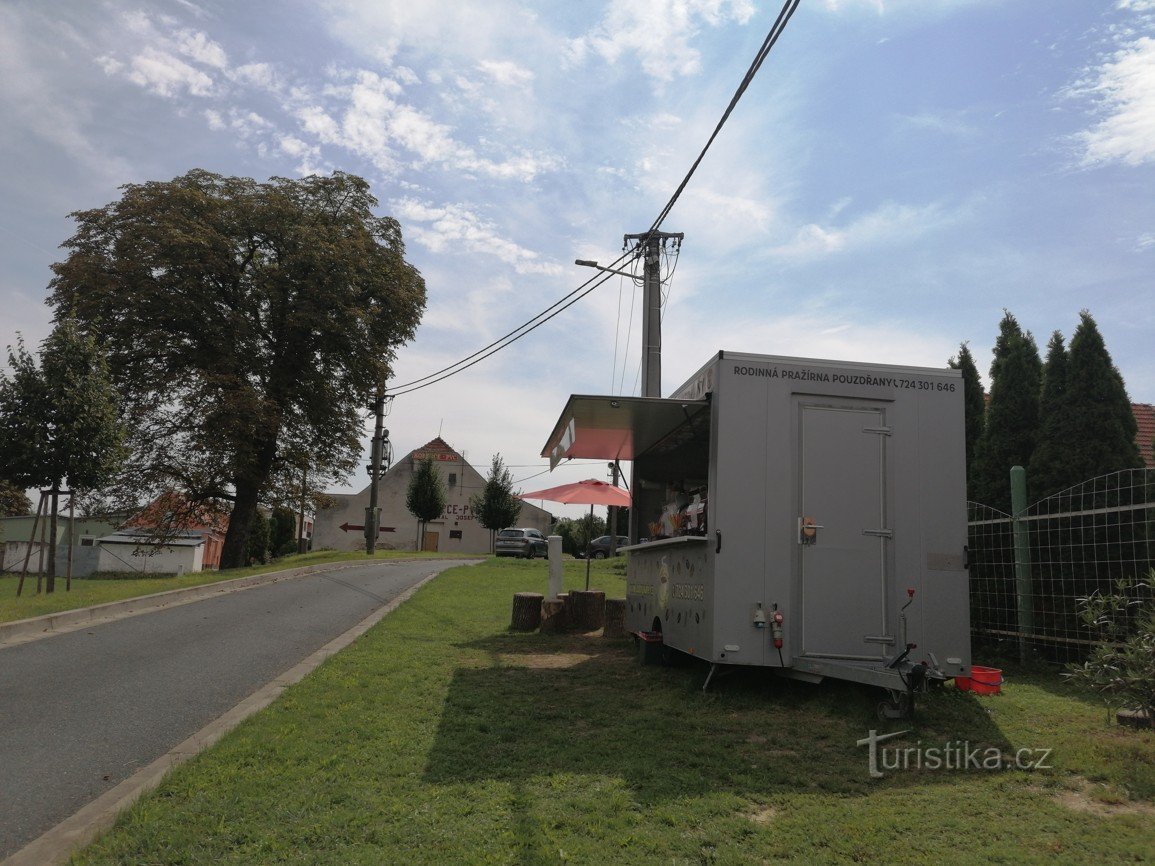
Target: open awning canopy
x,y
617,428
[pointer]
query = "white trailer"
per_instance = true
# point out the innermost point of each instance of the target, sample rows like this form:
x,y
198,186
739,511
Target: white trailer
x,y
803,515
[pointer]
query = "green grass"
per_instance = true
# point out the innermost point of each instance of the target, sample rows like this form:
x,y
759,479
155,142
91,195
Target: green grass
x,y
85,593
440,737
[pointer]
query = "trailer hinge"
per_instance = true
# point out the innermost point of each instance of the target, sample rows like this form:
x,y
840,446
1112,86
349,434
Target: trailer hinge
x,y
879,533
881,431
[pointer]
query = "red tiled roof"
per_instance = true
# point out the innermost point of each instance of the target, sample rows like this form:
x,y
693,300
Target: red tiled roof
x,y
1145,418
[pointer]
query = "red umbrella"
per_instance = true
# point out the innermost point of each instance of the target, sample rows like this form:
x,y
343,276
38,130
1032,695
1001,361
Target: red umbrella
x,y
589,492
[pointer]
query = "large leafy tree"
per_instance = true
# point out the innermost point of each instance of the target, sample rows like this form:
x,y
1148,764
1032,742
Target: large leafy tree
x,y
1101,424
246,323
425,497
1012,415
1050,467
974,406
59,420
496,506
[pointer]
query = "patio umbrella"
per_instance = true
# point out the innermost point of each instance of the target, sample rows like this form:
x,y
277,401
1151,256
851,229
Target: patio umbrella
x,y
589,492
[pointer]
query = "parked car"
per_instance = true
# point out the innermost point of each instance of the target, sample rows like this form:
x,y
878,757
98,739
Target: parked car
x,y
599,548
521,542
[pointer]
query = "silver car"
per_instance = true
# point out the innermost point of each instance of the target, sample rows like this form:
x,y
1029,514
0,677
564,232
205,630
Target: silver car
x,y
526,543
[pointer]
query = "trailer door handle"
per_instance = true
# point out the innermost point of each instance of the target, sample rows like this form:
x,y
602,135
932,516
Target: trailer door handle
x,y
718,533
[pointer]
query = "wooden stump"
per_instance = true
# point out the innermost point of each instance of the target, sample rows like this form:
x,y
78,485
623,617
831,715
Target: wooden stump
x,y
526,611
553,618
615,618
587,610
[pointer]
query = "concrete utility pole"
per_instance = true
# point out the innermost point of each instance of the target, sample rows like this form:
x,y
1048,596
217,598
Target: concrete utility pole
x,y
653,243
378,463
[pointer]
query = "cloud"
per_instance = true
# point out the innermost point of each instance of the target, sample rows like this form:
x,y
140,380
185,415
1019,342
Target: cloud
x,y
658,32
440,228
889,224
164,74
374,122
1124,89
506,72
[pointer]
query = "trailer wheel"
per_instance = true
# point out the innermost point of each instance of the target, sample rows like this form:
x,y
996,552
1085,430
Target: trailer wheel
x,y
898,706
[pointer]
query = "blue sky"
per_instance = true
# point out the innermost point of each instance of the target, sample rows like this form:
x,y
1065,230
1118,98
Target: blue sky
x,y
899,172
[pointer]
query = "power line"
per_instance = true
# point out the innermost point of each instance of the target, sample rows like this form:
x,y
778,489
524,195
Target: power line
x,y
594,282
780,23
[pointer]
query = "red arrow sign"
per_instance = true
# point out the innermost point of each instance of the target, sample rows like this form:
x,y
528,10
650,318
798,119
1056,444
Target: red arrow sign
x,y
354,527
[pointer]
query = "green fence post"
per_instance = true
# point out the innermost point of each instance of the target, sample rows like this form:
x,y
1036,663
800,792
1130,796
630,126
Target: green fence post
x,y
1024,595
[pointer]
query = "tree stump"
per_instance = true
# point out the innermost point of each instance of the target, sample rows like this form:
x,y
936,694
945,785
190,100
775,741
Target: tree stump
x,y
526,611
553,618
587,610
615,618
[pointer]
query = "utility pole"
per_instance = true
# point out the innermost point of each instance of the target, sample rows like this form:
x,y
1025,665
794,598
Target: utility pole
x,y
652,244
614,468
379,462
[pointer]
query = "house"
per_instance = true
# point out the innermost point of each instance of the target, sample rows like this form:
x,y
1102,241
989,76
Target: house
x,y
170,535
340,526
1145,438
16,538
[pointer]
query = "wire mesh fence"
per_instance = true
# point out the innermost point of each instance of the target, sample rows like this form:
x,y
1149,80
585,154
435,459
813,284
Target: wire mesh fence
x,y
1028,571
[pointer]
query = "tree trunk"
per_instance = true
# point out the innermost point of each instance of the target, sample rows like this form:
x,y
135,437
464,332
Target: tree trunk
x,y
240,526
587,609
553,617
526,611
615,618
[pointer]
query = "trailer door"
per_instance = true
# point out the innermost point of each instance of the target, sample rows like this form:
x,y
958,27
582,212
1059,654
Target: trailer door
x,y
842,530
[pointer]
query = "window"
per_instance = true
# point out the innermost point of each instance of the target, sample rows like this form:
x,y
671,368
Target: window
x,y
452,479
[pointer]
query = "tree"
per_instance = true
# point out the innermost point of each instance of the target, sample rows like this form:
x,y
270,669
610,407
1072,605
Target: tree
x,y
425,497
248,324
13,501
1012,415
59,421
974,406
257,548
496,507
1050,469
1101,423
282,531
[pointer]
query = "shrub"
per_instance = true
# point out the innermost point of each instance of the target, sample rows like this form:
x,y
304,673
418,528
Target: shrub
x,y
1121,668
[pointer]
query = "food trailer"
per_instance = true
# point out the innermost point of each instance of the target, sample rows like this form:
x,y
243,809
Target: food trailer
x,y
803,515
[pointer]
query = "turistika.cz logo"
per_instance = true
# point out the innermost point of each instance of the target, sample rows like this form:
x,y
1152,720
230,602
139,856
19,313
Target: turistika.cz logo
x,y
957,756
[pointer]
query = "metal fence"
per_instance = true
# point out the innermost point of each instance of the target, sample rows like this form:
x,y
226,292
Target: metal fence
x,y
1028,571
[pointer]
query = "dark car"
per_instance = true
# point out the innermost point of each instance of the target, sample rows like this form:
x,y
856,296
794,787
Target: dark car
x,y
521,542
599,548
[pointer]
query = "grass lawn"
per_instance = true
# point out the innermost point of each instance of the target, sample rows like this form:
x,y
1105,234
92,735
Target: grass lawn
x,y
86,592
442,738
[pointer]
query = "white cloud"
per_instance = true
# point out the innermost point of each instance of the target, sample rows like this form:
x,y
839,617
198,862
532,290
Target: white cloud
x,y
506,72
1124,88
891,223
258,75
440,228
167,75
658,32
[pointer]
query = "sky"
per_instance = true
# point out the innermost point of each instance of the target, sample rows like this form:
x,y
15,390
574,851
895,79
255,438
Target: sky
x,y
898,174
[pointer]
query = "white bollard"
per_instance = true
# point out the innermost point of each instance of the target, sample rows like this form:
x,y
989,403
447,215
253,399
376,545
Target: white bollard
x,y
555,566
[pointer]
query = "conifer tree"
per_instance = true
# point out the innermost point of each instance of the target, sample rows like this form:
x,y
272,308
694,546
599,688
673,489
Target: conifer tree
x,y
1012,415
496,507
974,407
1101,423
1050,467
425,497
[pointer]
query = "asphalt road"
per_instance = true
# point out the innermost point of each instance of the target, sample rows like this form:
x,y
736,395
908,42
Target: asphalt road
x,y
82,711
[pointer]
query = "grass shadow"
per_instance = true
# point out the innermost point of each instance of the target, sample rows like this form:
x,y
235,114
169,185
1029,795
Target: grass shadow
x,y
563,704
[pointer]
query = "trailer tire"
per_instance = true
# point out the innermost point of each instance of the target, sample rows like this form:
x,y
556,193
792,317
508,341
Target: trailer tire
x,y
898,706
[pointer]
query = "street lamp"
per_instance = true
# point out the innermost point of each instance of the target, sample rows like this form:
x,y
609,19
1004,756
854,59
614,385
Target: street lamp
x,y
586,263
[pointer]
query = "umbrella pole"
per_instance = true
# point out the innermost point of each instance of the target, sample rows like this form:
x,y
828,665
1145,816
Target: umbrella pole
x,y
589,555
